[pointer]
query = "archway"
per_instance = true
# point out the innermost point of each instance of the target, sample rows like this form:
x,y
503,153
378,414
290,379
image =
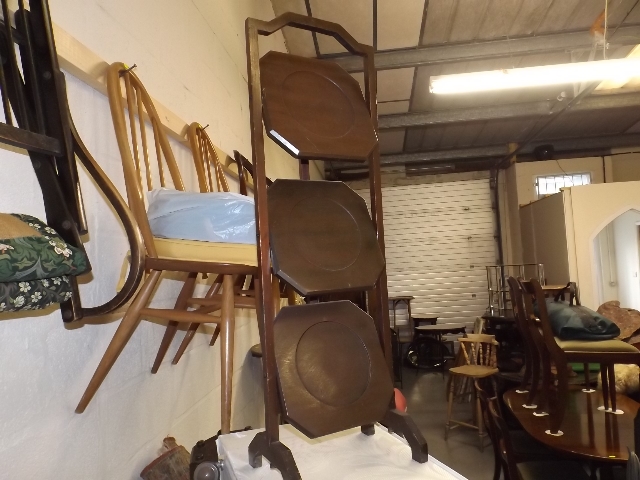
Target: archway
x,y
618,260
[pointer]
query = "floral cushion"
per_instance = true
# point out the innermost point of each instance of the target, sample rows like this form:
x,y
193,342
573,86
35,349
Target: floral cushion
x,y
34,294
30,250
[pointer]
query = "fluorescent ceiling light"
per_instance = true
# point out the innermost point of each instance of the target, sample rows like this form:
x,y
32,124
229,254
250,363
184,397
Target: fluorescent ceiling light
x,y
620,70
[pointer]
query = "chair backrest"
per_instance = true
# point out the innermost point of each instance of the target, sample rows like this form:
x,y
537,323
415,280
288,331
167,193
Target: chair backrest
x,y
479,349
36,117
131,107
486,397
478,325
504,436
520,314
633,467
208,164
533,292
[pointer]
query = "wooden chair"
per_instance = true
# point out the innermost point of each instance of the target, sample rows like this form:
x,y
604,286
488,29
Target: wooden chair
x,y
524,446
532,343
479,353
562,352
37,119
163,254
211,178
517,468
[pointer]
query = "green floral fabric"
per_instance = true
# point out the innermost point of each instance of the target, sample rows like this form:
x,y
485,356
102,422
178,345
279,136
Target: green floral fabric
x,y
37,257
34,294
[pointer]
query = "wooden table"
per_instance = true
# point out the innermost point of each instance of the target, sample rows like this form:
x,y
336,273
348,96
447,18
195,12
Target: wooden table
x,y
589,434
435,332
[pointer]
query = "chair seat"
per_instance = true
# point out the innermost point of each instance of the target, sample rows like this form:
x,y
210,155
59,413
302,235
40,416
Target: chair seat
x,y
551,471
617,346
475,371
196,251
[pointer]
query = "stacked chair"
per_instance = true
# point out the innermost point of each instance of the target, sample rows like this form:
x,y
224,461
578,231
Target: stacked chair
x,y
550,398
327,365
37,119
211,178
532,464
168,254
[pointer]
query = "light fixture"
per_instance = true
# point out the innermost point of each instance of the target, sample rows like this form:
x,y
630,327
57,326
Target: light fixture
x,y
620,70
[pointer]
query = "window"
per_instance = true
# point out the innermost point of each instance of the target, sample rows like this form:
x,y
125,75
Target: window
x,y
549,184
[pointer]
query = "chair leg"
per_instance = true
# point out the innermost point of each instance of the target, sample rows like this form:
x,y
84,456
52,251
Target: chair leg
x,y
605,385
612,387
528,369
126,328
214,337
497,460
543,398
587,380
227,329
449,406
479,421
172,327
535,379
561,398
191,332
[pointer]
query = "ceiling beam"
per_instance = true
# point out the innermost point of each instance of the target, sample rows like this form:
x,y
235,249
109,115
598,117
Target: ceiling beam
x,y
502,112
561,146
462,52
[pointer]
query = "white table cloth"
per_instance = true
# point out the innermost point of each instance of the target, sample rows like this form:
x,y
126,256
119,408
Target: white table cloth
x,y
348,455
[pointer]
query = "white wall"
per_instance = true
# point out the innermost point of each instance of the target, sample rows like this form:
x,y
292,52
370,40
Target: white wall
x,y
606,265
526,173
625,232
190,54
518,188
589,209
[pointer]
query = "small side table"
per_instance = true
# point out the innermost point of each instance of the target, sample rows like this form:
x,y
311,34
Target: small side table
x,y
395,301
433,340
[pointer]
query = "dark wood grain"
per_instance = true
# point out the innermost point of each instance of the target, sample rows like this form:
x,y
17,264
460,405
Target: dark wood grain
x,y
588,433
349,138
322,238
331,369
314,109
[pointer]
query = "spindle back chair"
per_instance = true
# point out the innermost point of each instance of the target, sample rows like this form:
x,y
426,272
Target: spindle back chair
x,y
131,109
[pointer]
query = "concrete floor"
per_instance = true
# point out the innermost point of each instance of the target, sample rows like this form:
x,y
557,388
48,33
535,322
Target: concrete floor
x,y
426,403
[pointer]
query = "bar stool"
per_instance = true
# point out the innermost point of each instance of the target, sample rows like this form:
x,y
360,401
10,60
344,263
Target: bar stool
x,y
479,353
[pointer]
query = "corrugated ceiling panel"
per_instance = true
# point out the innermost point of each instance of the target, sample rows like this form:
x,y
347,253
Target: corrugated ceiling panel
x,y
530,16
462,135
586,13
439,238
505,131
395,84
399,23
468,20
391,141
356,16
439,21
499,18
559,14
298,41
389,108
413,139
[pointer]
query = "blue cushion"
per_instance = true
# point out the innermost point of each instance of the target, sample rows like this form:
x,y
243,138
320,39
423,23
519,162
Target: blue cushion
x,y
575,322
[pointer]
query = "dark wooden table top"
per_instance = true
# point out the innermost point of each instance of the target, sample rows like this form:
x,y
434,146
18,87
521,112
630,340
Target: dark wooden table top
x,y
442,328
589,434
